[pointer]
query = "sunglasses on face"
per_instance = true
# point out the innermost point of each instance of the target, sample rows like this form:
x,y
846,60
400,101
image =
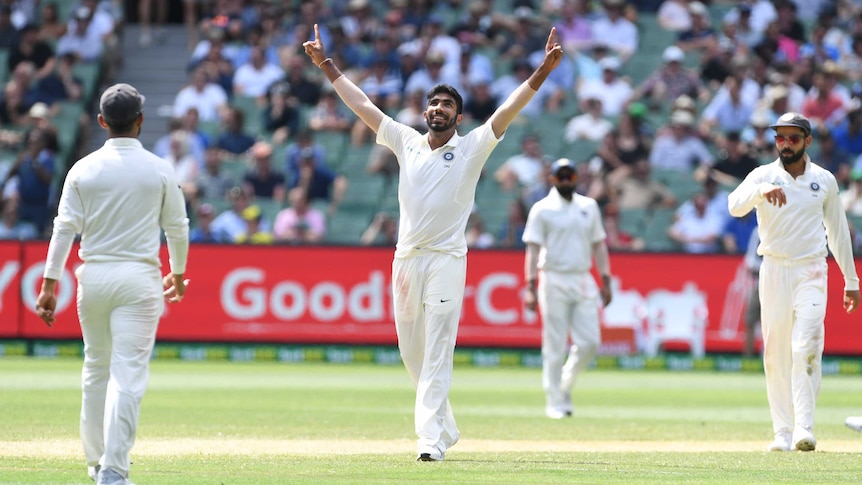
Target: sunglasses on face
x,y
565,176
793,139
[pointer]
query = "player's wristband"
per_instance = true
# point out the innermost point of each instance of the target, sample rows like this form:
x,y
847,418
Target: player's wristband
x,y
328,59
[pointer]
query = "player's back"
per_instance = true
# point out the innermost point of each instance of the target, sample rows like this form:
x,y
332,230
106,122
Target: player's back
x,y
121,191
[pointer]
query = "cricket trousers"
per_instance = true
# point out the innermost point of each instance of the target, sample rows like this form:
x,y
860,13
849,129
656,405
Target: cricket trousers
x,y
119,306
792,312
428,292
569,304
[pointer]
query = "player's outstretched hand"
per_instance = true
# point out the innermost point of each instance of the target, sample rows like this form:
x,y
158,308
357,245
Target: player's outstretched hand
x,y
851,300
314,48
175,287
776,196
553,50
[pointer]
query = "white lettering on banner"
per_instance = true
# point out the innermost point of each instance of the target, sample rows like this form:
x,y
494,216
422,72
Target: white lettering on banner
x,y
245,297
277,300
10,269
371,294
30,281
289,300
319,295
485,290
253,304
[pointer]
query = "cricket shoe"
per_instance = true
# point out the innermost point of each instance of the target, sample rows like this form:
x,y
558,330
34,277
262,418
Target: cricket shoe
x,y
803,439
430,454
854,423
108,476
781,441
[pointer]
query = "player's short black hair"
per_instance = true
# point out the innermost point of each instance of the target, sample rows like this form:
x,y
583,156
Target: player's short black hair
x,y
447,89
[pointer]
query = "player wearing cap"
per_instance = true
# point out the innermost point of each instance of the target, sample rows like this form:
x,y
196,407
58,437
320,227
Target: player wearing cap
x,y
117,198
438,173
564,233
799,213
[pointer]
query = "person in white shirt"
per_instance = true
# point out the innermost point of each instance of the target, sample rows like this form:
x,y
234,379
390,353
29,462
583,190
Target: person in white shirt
x,y
256,76
563,234
799,212
117,198
590,125
207,97
613,91
436,190
617,32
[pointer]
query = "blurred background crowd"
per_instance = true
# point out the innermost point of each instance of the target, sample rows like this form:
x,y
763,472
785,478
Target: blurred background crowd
x,y
664,105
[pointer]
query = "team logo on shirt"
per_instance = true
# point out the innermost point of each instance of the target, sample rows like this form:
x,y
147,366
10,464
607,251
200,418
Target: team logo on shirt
x,y
815,186
448,156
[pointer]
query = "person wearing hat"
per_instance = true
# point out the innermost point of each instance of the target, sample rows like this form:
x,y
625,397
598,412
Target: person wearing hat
x,y
119,199
612,90
800,219
618,32
700,37
679,147
439,171
254,234
669,81
564,234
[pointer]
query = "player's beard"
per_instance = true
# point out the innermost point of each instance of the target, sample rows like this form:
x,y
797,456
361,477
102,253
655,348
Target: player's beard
x,y
566,190
437,126
788,159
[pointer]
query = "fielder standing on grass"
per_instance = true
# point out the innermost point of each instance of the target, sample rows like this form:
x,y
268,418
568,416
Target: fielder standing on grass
x,y
798,214
117,198
563,234
436,191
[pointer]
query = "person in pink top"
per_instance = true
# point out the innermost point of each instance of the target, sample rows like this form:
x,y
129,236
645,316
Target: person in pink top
x,y
299,223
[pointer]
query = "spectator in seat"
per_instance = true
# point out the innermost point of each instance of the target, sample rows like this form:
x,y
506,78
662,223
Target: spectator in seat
x,y
233,138
254,233
261,180
207,97
281,117
202,231
697,231
319,182
300,223
523,169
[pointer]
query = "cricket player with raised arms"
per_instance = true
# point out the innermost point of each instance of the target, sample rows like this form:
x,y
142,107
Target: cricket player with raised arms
x,y
438,173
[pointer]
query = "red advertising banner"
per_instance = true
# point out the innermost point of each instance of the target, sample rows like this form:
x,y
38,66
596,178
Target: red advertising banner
x,y
340,295
10,263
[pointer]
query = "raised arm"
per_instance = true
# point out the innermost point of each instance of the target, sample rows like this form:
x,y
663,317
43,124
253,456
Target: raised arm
x,y
503,116
349,92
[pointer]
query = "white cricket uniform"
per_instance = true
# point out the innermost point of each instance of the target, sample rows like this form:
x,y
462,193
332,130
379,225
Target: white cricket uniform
x,y
793,283
117,198
568,297
436,193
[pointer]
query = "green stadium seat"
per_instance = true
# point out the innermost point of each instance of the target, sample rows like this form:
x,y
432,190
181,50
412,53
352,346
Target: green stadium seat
x,y
655,236
4,64
633,221
234,168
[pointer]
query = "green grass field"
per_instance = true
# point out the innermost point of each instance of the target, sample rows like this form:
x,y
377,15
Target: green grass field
x,y
270,423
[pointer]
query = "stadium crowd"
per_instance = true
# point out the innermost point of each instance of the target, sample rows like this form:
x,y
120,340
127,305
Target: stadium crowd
x,y
664,105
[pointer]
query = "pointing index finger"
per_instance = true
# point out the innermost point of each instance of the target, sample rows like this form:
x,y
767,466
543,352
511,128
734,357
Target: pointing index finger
x,y
316,33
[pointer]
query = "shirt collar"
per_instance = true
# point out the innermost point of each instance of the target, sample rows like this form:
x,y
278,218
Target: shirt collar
x,y
451,142
124,142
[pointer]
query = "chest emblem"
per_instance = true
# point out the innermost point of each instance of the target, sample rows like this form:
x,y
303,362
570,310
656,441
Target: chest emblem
x,y
448,157
815,186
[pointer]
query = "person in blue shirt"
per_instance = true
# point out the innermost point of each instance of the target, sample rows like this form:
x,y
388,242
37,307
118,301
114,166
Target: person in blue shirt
x,y
35,169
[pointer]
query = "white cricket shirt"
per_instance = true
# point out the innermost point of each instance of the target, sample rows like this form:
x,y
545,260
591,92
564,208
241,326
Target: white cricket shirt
x,y
812,217
117,198
436,188
565,231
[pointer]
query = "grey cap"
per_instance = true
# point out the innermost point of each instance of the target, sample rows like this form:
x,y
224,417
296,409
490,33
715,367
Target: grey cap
x,y
561,164
121,104
793,119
